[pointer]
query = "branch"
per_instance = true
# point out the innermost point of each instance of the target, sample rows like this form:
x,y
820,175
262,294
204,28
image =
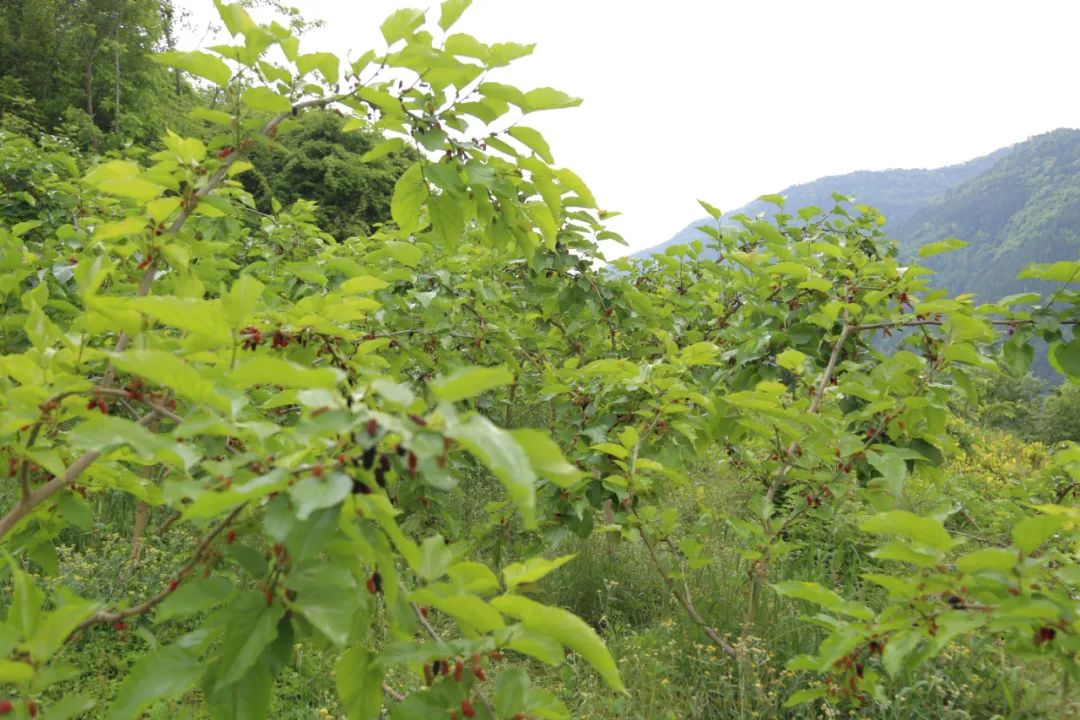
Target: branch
x,y
685,600
156,407
27,504
111,616
815,405
897,324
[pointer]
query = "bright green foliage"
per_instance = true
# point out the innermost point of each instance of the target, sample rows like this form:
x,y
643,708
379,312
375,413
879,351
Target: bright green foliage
x,y
376,444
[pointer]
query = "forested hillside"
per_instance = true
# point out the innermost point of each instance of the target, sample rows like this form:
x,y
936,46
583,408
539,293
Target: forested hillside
x,y
897,194
318,400
1017,205
1025,208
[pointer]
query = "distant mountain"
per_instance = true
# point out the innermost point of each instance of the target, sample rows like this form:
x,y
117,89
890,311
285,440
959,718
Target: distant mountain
x,y
896,193
1017,205
1024,209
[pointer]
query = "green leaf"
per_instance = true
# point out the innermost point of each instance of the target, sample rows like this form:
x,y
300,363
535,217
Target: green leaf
x,y
1031,532
15,671
511,690
533,140
802,697
791,359
71,705
435,558
474,577
469,611
401,24
249,627
499,451
264,99
135,225
57,625
405,253
1067,357
194,596
235,18
546,458
892,466
242,299
315,493
815,593
274,371
1063,271
903,552
383,149
163,674
1017,357
546,98
565,628
131,187
927,531
539,646
167,370
326,595
362,284
528,572
470,381
935,248
898,647
325,63
200,317
612,449
996,559
359,684
246,699
204,65
714,212
450,11
410,194
106,432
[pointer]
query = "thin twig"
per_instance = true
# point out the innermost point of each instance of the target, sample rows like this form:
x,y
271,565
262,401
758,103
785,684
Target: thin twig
x,y
27,505
685,599
107,616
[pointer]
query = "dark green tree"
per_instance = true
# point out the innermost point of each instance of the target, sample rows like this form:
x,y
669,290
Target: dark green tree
x,y
320,161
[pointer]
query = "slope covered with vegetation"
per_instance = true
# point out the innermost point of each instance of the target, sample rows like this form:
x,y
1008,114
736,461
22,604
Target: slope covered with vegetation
x,y
896,194
1025,208
424,456
1018,205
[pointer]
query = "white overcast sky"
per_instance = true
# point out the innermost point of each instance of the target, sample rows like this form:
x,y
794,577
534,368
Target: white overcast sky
x,y
726,100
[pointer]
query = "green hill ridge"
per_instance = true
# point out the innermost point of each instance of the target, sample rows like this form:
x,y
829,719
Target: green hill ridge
x,y
1017,205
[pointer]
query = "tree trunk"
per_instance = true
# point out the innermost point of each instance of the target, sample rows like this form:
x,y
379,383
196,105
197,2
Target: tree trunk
x,y
89,72
116,77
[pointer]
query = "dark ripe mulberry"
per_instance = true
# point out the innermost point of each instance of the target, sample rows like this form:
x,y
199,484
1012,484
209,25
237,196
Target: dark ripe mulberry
x,y
374,583
380,476
384,463
360,488
412,463
1044,635
368,458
